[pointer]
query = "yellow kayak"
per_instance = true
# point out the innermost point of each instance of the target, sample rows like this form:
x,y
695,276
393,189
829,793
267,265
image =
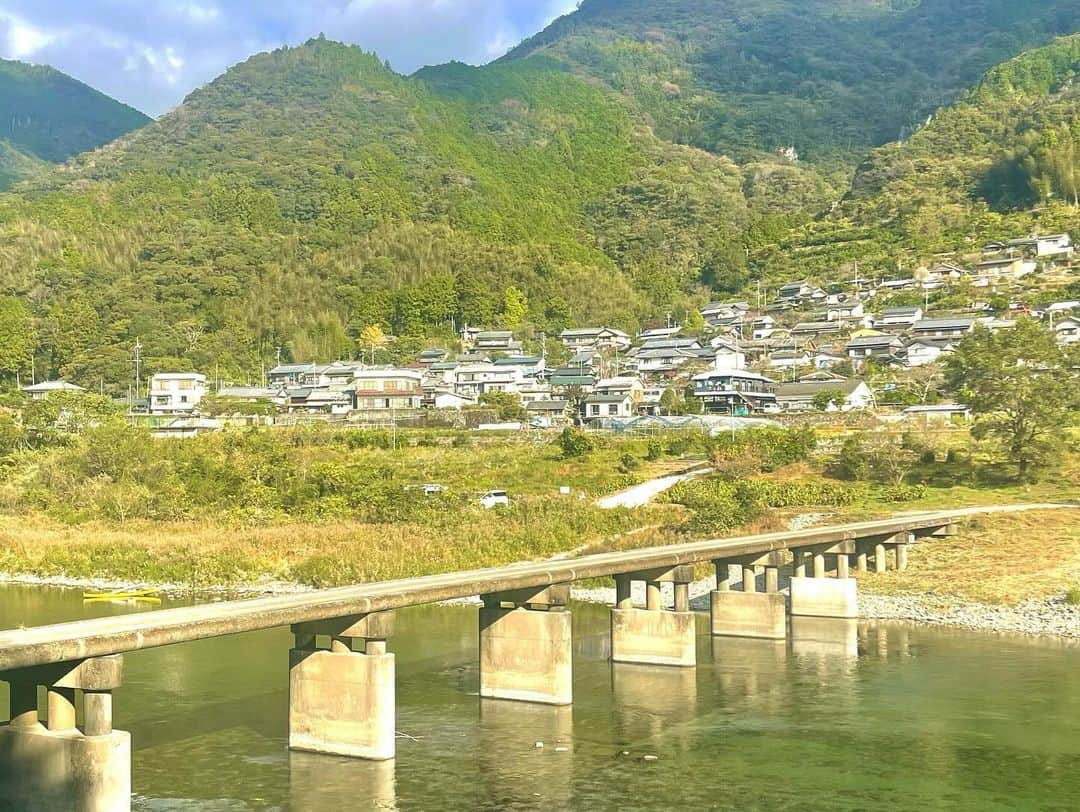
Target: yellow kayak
x,y
130,595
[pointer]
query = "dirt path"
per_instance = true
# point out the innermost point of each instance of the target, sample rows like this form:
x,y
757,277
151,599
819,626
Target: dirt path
x,y
641,495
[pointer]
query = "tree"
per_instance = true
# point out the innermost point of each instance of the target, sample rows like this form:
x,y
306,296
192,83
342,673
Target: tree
x,y
371,338
18,338
827,398
671,403
507,405
694,322
515,306
1021,386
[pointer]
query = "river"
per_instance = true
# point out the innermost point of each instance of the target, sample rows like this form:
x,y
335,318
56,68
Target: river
x,y
891,717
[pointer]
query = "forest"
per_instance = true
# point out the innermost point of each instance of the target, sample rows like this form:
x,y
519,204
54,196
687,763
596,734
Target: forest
x,y
311,193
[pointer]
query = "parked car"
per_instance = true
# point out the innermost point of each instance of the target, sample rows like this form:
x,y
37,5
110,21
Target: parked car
x,y
431,489
494,499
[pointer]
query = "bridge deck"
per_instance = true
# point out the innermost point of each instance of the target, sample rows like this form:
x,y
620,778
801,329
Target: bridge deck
x,y
98,637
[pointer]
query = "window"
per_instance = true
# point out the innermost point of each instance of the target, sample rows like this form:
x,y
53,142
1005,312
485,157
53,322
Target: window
x,y
183,399
186,385
613,409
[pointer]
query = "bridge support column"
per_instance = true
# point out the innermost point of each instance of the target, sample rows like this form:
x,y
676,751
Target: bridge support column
x,y
750,613
341,702
655,635
820,596
526,646
59,766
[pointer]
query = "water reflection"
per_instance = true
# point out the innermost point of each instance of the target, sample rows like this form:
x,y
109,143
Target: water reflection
x,y
869,716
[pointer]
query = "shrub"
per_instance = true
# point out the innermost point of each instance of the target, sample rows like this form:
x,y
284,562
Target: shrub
x,y
654,451
575,443
1072,597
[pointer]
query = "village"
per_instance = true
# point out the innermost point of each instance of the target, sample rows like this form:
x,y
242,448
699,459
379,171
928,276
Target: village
x,y
808,348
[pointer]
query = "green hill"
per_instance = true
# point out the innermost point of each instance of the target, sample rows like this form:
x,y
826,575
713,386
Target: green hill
x,y
1001,162
311,192
827,77
46,117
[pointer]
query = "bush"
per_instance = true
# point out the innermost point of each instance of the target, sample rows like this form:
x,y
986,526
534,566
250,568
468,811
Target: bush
x,y
654,451
1072,597
575,443
628,462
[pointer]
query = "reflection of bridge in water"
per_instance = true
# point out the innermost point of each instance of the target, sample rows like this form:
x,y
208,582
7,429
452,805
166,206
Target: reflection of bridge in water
x,y
342,678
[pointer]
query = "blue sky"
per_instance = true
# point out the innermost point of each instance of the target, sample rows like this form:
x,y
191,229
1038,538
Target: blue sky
x,y
151,53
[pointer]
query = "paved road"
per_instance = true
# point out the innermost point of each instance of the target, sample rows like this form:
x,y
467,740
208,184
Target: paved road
x,y
642,494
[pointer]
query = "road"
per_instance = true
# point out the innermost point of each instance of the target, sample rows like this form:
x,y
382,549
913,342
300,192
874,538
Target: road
x,y
642,494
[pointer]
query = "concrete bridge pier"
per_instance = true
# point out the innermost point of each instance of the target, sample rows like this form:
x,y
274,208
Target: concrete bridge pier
x,y
341,701
526,646
654,635
57,765
749,613
817,595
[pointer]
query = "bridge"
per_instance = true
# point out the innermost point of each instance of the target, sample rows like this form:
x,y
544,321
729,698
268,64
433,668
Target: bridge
x,y
341,676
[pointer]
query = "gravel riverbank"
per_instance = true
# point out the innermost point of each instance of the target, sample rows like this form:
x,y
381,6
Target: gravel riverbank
x,y
1036,617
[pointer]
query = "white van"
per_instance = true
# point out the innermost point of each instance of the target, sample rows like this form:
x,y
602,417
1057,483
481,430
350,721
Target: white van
x,y
494,499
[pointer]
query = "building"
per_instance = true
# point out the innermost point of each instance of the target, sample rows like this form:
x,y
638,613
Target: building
x,y
1006,268
789,359
290,374
386,389
882,347
811,329
923,351
496,341
652,333
41,391
943,328
1067,332
1052,246
481,378
937,413
794,292
899,317
176,392
800,396
607,407
734,392
549,413
447,399
585,338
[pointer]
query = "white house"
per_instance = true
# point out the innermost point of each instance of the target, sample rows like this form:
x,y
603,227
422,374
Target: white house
x,y
600,407
923,351
1051,246
1067,331
595,338
943,328
452,400
900,316
477,379
380,389
176,392
855,394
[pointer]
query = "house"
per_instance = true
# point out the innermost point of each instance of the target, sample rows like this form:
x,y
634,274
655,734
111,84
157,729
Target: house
x,y
176,392
525,367
388,389
789,359
809,329
877,346
727,356
290,374
762,327
184,428
432,356
827,359
734,391
253,394
448,399
894,285
937,413
480,378
1054,246
337,375
900,317
1067,331
496,341
309,400
621,386
794,292
605,407
800,396
41,391
1005,268
568,379
942,328
595,338
549,413
923,351
845,311
658,332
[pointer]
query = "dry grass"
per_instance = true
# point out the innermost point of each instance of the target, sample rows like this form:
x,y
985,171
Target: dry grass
x,y
1003,559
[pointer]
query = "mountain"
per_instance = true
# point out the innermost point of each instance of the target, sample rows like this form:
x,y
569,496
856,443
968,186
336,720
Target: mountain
x,y
311,192
47,117
827,77
1003,161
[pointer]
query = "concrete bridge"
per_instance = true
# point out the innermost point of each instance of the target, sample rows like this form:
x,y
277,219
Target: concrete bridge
x,y
341,686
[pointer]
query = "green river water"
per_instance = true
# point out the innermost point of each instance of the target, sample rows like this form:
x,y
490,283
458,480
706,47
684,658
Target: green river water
x,y
882,717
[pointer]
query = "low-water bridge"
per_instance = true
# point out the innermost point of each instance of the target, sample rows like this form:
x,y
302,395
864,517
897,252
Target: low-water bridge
x,y
341,683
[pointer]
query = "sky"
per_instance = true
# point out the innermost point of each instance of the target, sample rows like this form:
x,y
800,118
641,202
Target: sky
x,y
152,53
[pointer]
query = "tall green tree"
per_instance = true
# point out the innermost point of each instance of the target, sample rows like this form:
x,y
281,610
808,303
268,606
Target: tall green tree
x,y
18,337
1022,386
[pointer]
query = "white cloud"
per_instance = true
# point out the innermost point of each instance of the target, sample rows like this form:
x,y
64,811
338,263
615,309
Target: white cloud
x,y
150,53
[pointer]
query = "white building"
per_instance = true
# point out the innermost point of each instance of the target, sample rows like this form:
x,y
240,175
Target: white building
x,y
1067,332
41,391
176,392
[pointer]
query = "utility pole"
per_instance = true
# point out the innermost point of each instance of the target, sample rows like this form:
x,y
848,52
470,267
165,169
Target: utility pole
x,y
138,367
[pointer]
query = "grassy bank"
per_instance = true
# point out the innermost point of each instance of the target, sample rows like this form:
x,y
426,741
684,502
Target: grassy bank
x,y
1000,560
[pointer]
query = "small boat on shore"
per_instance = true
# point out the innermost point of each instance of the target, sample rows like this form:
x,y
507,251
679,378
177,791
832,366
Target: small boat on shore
x,y
136,595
